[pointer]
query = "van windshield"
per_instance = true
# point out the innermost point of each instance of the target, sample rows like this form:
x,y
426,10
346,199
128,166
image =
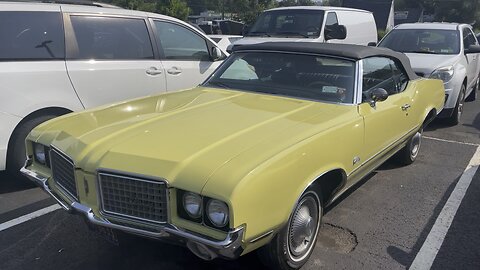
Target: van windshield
x,y
288,23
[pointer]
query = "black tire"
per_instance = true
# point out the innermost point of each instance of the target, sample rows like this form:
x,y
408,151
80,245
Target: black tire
x,y
16,148
409,153
279,253
473,94
458,111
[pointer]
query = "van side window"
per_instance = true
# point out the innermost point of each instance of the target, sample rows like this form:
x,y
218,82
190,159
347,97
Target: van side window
x,y
110,38
381,72
31,36
180,43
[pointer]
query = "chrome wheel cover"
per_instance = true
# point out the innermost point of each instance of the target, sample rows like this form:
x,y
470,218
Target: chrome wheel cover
x,y
303,228
415,145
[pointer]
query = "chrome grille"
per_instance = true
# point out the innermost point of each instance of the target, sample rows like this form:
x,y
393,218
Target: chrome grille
x,y
135,198
63,172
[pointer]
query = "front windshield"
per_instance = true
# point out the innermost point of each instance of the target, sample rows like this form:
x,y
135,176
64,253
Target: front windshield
x,y
302,76
424,41
288,23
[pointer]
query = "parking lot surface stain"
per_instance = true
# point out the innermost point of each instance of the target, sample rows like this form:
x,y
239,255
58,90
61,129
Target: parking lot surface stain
x,y
337,239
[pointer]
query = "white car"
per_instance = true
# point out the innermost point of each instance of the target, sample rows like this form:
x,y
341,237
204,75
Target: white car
x,y
313,24
59,58
224,41
445,51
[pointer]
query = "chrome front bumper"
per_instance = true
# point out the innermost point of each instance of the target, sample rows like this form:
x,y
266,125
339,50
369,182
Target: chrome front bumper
x,y
203,247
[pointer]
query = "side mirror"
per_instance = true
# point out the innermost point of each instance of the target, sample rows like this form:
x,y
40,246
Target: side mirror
x,y
337,31
216,54
372,44
473,49
378,95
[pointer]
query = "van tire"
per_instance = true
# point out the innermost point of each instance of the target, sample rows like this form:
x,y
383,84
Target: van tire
x,y
16,156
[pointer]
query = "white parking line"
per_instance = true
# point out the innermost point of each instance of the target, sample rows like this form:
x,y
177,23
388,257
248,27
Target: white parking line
x,y
432,244
28,217
450,141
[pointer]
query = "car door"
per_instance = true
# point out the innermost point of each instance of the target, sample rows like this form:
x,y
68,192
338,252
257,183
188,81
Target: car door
x,y
472,59
386,122
111,58
185,54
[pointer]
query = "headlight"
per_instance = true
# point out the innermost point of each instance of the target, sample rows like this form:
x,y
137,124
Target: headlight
x,y
445,74
39,153
217,212
192,203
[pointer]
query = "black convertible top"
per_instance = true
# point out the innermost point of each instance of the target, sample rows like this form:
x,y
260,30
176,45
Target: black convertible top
x,y
354,52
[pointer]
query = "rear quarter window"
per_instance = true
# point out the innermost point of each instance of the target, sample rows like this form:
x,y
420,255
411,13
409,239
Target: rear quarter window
x,y
31,35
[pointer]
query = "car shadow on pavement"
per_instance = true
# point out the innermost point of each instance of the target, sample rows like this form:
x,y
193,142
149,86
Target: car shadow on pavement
x,y
9,183
436,124
406,258
475,124
349,191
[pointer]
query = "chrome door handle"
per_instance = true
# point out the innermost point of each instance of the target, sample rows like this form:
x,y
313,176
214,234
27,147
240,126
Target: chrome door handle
x,y
153,71
174,71
406,107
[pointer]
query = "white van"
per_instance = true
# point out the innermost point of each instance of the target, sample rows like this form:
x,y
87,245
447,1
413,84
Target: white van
x,y
313,23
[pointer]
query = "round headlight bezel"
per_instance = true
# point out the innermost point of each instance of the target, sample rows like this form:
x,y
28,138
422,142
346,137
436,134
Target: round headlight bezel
x,y
445,74
193,196
39,153
217,205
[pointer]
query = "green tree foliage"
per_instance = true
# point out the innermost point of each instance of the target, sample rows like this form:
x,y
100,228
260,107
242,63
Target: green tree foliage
x,y
288,3
175,8
461,11
333,3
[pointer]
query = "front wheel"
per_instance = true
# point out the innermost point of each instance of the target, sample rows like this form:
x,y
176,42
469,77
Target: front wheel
x,y
473,94
409,153
458,111
293,245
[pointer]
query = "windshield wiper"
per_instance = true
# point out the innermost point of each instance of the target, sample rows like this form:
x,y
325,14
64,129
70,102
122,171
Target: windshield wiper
x,y
292,34
424,52
218,84
259,33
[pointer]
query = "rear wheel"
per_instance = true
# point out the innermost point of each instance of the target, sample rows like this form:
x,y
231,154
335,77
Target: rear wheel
x,y
16,148
409,153
293,245
458,111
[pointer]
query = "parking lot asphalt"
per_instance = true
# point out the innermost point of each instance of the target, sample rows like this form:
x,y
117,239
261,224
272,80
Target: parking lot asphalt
x,y
382,223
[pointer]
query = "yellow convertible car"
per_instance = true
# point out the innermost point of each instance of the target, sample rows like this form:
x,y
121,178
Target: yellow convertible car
x,y
246,161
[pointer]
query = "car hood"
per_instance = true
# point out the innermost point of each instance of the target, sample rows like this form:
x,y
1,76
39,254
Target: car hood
x,y
427,63
182,137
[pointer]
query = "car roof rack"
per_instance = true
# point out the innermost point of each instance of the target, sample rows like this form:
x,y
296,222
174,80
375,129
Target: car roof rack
x,y
70,2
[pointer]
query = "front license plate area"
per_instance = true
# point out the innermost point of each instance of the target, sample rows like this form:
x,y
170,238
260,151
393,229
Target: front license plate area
x,y
106,233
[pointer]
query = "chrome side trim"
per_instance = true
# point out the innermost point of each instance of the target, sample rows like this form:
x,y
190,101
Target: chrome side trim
x,y
382,151
262,236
